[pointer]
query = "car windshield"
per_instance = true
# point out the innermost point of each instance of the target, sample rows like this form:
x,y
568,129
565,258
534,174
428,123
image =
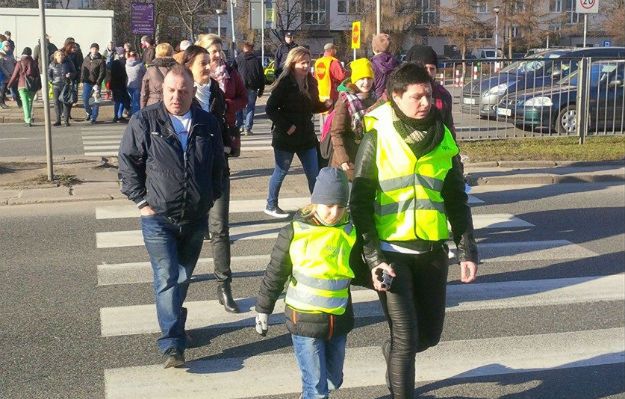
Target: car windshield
x,y
599,73
532,63
489,53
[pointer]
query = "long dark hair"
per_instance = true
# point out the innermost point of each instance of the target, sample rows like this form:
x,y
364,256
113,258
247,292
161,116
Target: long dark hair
x,y
190,53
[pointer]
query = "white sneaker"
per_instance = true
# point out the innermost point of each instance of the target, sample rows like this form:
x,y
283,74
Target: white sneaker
x,y
276,212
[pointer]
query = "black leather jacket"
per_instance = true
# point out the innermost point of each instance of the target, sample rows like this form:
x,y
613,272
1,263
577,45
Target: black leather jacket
x,y
362,202
181,185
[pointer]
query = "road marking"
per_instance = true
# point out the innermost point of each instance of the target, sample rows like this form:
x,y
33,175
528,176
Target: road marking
x,y
236,206
141,272
101,153
276,374
18,138
101,139
266,230
141,319
100,147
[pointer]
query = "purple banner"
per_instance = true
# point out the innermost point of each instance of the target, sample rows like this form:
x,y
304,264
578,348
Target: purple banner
x,y
142,18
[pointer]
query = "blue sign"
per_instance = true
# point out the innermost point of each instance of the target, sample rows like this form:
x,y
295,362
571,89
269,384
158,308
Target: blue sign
x,y
142,18
607,43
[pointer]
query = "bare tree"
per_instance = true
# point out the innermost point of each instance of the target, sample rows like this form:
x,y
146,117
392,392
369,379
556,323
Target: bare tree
x,y
616,21
399,18
287,16
462,26
188,12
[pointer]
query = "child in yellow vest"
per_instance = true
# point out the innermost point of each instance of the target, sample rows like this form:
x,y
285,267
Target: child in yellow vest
x,y
316,251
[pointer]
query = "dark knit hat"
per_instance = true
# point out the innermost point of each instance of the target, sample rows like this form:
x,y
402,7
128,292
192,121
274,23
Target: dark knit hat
x,y
331,187
422,54
27,51
96,45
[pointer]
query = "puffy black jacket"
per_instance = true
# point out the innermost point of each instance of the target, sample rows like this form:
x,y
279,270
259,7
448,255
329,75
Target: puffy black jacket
x,y
315,325
287,106
93,70
251,71
57,72
153,167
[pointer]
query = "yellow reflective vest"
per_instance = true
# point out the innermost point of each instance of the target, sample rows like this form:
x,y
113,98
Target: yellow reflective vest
x,y
321,273
408,201
322,74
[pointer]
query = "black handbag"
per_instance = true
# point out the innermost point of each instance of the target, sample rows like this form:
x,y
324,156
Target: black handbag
x,y
69,93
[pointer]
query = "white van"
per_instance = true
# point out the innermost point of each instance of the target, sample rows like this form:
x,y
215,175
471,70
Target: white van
x,y
486,53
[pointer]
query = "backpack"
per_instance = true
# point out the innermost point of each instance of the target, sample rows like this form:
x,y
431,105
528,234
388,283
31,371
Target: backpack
x,y
325,144
33,83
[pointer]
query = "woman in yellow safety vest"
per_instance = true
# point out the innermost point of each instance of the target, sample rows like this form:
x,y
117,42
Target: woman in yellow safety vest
x,y
407,185
316,252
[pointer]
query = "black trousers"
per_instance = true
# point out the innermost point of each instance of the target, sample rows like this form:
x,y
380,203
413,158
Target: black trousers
x,y
415,311
60,108
218,226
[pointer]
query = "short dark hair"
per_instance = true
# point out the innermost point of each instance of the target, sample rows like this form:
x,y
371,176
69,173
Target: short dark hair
x,y
180,70
190,53
405,75
247,46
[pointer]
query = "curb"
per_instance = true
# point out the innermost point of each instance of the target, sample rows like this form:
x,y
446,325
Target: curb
x,y
544,179
542,164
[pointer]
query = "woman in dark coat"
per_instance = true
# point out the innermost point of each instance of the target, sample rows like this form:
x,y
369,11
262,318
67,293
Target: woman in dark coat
x,y
61,73
290,107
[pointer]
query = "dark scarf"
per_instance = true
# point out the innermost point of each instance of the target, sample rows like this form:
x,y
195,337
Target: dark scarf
x,y
421,135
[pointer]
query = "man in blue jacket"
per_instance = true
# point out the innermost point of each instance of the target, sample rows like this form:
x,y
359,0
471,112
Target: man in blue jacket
x,y
171,165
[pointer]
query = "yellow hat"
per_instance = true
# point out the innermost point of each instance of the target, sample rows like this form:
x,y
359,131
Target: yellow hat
x,y
361,68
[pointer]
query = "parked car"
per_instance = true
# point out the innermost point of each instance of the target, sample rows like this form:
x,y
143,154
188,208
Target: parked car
x,y
486,53
555,108
539,70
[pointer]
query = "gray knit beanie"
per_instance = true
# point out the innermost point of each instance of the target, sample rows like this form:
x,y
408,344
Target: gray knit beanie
x,y
331,187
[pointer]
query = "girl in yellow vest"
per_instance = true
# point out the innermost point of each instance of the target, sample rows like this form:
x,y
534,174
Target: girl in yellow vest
x,y
316,253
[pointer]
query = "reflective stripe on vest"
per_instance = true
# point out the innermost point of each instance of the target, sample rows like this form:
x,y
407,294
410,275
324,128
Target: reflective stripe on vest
x,y
409,204
321,273
322,74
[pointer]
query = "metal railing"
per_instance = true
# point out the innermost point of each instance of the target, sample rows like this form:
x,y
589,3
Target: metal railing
x,y
536,97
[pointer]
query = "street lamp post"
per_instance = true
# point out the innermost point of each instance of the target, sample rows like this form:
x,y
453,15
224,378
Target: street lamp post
x,y
219,11
496,9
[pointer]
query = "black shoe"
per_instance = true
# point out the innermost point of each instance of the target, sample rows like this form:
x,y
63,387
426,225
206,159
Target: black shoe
x,y
66,123
276,212
115,120
57,123
224,295
174,358
4,106
28,124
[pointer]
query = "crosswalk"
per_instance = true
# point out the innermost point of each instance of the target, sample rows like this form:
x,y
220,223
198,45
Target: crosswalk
x,y
277,374
103,140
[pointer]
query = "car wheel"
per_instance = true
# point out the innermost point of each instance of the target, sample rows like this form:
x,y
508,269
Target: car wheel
x,y
566,121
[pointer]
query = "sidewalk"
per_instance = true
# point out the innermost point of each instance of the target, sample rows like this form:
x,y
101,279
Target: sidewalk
x,y
250,176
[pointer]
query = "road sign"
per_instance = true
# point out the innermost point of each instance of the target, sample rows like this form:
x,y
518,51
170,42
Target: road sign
x,y
587,6
142,18
356,35
607,43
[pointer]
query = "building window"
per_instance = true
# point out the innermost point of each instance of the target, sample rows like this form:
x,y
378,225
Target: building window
x,y
349,6
571,16
555,6
481,7
427,9
314,12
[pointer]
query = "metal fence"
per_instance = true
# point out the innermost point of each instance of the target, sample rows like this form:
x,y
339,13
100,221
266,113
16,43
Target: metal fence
x,y
536,97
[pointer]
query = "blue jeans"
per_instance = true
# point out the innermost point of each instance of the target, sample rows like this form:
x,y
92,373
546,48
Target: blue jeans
x,y
87,90
321,364
174,251
283,159
135,95
118,109
245,117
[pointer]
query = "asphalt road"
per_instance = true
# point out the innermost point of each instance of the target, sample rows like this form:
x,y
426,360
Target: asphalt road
x,y
56,340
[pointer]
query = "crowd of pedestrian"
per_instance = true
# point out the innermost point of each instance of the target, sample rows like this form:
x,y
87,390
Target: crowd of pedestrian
x,y
378,214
